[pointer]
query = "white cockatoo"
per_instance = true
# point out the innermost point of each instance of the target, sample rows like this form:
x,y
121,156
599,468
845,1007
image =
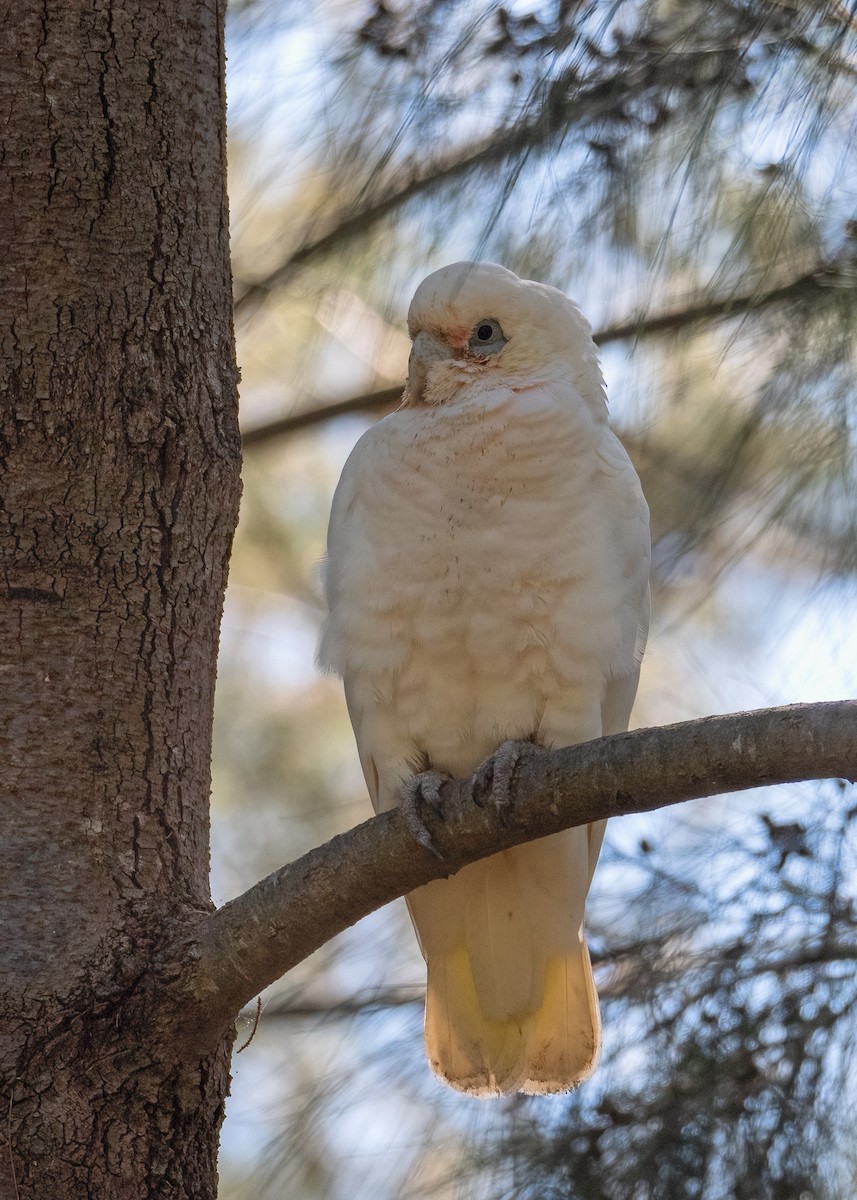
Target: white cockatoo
x,y
487,580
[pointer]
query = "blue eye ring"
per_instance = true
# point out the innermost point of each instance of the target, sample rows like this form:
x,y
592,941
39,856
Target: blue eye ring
x,y
487,337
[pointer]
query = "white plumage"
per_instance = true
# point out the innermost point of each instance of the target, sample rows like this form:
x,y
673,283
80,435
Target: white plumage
x,y
487,579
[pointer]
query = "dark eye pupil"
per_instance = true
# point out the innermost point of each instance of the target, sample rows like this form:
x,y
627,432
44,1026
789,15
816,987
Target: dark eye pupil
x,y
485,333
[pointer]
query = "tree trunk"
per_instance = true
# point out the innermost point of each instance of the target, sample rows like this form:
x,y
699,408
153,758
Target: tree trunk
x,y
118,500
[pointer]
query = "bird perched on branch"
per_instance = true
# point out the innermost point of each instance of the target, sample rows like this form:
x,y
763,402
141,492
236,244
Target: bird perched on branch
x,y
487,584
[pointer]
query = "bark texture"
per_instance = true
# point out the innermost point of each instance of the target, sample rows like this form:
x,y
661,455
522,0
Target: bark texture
x,y
118,499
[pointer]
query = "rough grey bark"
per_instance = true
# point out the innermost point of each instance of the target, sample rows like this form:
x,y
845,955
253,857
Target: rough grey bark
x,y
119,494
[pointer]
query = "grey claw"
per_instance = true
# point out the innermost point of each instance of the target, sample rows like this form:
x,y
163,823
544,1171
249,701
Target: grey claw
x,y
419,789
497,772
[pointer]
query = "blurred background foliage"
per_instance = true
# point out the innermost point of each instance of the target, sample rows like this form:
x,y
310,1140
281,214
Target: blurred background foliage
x,y
686,171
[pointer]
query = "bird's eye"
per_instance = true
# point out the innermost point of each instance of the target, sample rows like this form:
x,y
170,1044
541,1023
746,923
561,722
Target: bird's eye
x,y
487,337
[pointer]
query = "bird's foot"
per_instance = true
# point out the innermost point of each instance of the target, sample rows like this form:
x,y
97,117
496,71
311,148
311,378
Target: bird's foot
x,y
495,775
415,791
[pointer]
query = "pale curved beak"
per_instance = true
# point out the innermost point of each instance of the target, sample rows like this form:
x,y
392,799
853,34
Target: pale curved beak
x,y
427,349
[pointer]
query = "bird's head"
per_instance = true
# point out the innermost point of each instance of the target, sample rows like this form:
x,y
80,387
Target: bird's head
x,y
473,322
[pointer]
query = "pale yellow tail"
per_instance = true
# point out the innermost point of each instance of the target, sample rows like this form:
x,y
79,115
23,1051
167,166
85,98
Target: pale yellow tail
x,y
511,1002
549,1050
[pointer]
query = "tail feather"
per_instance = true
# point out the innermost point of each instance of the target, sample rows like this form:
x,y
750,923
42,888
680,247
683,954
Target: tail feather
x,y
511,1002
548,1050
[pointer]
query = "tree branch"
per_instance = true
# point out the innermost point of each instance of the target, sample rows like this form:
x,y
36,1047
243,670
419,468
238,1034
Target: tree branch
x,y
362,1004
525,136
626,87
383,1000
805,286
256,938
380,402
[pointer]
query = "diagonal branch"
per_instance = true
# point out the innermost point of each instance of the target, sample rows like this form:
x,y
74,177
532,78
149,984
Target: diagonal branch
x,y
561,103
380,402
256,938
625,88
809,284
